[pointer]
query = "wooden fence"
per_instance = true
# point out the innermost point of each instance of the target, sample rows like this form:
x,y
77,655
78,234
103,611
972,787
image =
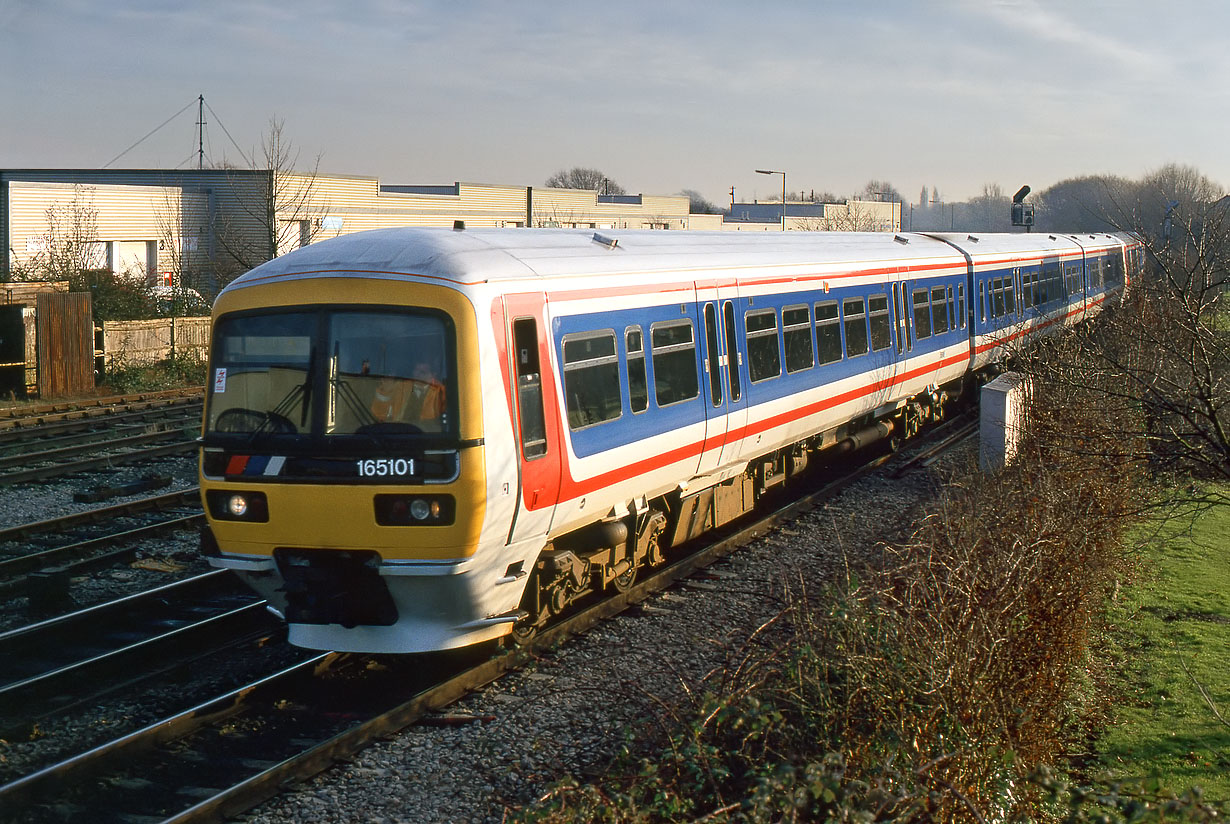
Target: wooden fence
x,y
141,342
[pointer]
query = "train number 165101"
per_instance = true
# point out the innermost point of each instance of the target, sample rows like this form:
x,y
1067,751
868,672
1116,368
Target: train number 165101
x,y
385,467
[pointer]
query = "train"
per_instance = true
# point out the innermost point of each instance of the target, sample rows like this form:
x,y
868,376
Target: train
x,y
419,440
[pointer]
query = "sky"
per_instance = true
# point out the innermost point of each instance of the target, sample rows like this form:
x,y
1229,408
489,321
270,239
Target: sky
x,y
661,96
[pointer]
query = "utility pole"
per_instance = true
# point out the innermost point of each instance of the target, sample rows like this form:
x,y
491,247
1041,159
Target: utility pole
x,y
200,134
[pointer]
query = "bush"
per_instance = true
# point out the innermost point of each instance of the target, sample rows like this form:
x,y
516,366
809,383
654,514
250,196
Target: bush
x,y
172,373
938,684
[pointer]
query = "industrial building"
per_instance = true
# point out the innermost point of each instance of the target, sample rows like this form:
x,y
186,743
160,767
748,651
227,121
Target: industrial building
x,y
202,227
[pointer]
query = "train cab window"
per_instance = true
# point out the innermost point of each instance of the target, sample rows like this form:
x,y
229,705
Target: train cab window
x,y
674,362
922,313
881,324
591,378
961,304
763,355
796,334
828,332
939,307
529,389
638,386
854,313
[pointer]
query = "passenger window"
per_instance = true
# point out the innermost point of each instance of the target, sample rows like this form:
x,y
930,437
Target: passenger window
x,y
529,389
674,362
922,313
638,386
828,334
1009,296
732,350
763,355
997,293
939,310
855,313
796,332
591,378
713,365
881,324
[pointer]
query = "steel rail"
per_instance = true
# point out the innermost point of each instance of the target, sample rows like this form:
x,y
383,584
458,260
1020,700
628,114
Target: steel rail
x,y
134,456
32,411
46,455
81,429
54,563
179,497
964,426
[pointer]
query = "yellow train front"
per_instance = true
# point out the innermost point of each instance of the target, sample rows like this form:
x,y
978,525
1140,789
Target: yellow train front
x,y
343,468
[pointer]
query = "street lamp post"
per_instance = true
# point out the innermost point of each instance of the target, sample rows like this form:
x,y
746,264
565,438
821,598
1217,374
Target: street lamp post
x,y
783,174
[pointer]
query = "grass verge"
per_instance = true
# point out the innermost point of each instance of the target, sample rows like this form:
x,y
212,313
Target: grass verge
x,y
1169,639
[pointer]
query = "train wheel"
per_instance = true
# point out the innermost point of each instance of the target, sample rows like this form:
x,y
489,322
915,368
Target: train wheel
x,y
623,583
523,632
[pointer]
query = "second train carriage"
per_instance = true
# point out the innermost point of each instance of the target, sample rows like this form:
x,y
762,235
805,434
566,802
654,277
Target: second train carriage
x,y
418,439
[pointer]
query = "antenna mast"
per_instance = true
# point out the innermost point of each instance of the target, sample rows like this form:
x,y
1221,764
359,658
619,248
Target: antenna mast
x,y
200,139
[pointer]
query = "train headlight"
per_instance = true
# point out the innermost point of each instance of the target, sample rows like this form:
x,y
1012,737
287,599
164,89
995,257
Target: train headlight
x,y
415,510
237,505
420,510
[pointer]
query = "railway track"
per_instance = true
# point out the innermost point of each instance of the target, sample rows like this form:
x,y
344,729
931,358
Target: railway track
x,y
33,415
228,754
78,431
36,560
54,665
133,449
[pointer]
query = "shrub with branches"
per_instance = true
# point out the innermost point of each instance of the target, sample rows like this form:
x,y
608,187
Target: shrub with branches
x,y
938,683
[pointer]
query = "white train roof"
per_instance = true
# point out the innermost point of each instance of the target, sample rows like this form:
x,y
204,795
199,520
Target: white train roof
x,y
472,256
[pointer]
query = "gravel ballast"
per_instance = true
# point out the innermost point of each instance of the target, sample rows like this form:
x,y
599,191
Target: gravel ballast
x,y
570,714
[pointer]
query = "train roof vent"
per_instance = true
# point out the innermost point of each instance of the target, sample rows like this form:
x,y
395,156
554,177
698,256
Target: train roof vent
x,y
459,225
901,239
603,240
1054,238
972,238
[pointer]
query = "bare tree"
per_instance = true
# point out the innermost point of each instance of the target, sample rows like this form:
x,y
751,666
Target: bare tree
x,y
851,217
880,190
990,211
70,248
580,177
698,204
1161,361
275,212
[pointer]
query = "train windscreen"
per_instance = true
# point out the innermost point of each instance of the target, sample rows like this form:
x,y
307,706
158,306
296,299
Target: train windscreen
x,y
332,373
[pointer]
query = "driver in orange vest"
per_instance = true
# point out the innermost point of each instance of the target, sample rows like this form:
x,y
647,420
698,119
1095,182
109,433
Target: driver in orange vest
x,y
420,398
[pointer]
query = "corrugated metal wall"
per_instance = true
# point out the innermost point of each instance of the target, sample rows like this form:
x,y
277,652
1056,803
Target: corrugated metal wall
x,y
65,344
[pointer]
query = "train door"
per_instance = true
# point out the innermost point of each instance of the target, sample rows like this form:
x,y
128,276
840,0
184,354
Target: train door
x,y
536,417
725,404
